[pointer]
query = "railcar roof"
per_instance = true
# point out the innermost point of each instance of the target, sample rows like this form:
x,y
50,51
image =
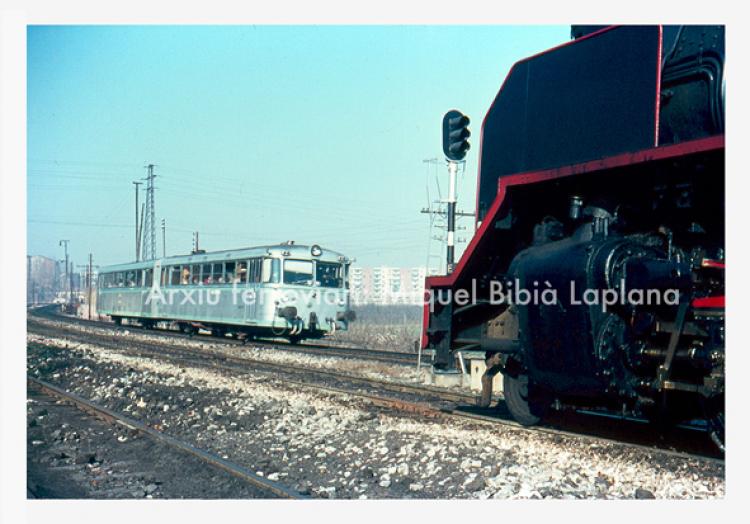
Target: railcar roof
x,y
294,250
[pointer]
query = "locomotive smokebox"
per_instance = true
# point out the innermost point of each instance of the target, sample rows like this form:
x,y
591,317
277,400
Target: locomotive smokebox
x,y
593,281
653,273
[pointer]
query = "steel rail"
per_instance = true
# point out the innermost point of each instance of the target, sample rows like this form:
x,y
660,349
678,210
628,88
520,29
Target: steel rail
x,y
449,396
243,362
428,410
423,408
349,352
112,417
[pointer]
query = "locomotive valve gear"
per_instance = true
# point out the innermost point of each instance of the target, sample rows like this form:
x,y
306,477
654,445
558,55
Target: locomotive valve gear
x,y
494,366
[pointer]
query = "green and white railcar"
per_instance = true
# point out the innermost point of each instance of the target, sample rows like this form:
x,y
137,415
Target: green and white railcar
x,y
285,290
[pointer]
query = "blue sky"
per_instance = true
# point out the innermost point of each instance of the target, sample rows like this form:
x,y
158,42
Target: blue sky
x,y
259,133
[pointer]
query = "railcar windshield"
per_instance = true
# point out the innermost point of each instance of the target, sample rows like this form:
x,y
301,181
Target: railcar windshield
x,y
328,274
271,270
298,272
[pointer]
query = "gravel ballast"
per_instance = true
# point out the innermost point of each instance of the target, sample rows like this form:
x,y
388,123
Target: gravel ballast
x,y
72,454
339,446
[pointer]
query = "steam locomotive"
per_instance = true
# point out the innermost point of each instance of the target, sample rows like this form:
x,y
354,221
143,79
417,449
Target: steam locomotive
x,y
601,175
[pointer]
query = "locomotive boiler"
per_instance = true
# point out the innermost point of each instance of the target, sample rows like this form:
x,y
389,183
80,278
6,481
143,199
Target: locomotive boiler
x,y
600,196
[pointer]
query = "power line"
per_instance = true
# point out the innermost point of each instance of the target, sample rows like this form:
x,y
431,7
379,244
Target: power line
x,y
83,224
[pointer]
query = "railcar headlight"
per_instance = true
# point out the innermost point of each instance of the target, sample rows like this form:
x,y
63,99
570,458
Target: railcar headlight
x,y
316,250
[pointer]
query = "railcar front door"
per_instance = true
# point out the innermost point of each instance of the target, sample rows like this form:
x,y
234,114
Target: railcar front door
x,y
250,301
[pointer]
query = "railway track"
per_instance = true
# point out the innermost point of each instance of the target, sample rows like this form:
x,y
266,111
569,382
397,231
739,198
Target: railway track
x,y
423,400
273,488
353,352
223,361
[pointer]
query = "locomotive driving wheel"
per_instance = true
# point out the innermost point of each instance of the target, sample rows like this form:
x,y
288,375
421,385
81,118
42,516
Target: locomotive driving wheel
x,y
525,406
714,412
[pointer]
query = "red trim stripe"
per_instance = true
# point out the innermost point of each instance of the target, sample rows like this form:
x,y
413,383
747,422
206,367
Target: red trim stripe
x,y
604,164
709,303
712,263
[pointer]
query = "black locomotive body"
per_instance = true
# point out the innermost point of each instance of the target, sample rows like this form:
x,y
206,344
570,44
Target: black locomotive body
x,y
601,184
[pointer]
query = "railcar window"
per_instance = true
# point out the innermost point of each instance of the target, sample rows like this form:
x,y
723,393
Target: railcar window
x,y
118,279
163,277
256,269
229,272
138,278
130,279
195,274
328,274
149,277
298,272
241,276
174,276
217,275
206,273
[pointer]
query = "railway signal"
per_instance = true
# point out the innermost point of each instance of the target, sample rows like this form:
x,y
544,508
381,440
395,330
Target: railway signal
x,y
456,135
455,145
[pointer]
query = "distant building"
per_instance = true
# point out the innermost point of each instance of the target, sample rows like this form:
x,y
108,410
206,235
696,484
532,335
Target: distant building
x,y
43,278
388,285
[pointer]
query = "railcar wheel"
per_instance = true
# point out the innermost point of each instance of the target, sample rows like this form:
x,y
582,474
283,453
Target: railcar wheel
x,y
295,339
526,410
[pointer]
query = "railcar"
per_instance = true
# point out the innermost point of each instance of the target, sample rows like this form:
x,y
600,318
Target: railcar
x,y
601,174
286,290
